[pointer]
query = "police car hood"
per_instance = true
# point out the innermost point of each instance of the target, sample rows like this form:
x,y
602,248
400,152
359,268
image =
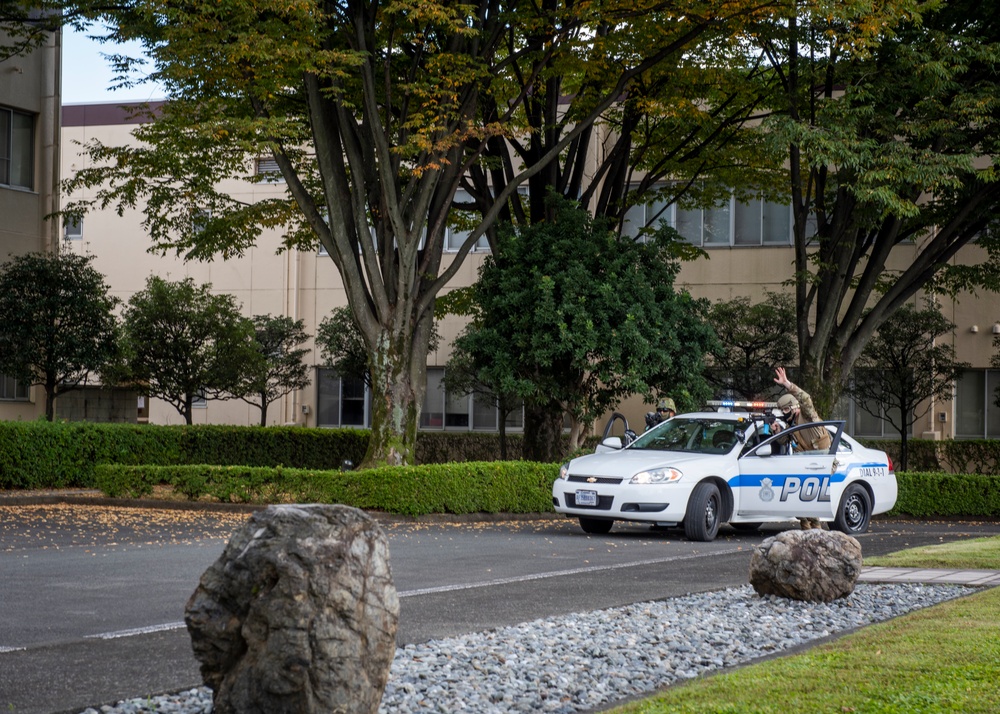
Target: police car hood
x,y
631,461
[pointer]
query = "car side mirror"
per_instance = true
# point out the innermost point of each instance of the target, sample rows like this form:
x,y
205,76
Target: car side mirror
x,y
763,451
612,442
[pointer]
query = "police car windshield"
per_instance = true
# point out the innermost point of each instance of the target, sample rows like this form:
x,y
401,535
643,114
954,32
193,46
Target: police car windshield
x,y
692,436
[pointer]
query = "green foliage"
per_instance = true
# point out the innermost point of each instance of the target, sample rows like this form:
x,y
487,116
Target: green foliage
x,y
573,318
289,446
904,366
342,346
755,338
887,119
59,455
376,114
924,494
472,487
57,323
182,341
280,367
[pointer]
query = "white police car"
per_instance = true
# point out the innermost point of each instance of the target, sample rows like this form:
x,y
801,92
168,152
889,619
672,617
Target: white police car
x,y
707,468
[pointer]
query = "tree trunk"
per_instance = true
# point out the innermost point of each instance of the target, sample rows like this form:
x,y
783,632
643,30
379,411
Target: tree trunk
x,y
50,401
263,410
577,433
399,382
904,450
503,435
543,433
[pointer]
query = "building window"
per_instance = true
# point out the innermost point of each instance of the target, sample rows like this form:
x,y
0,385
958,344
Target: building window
x,y
647,215
432,415
730,223
269,172
864,424
977,415
467,412
461,225
17,143
73,229
341,401
199,220
200,400
13,390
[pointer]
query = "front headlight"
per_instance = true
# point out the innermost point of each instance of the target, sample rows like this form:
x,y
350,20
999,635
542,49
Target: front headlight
x,y
564,470
666,475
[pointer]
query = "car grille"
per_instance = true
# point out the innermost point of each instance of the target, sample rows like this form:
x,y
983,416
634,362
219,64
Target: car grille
x,y
603,502
597,479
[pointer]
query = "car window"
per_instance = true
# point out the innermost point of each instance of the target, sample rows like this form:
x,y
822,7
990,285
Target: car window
x,y
787,443
694,436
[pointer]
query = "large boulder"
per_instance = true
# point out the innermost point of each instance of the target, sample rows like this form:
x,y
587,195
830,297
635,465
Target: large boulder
x,y
812,565
298,615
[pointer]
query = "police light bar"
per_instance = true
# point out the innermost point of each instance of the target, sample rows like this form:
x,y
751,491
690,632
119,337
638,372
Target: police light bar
x,y
730,403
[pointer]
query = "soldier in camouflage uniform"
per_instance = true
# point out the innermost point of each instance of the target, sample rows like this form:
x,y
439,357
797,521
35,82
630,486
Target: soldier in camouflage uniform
x,y
797,408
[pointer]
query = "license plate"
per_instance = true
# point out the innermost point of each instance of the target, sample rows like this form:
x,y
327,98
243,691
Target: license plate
x,y
586,498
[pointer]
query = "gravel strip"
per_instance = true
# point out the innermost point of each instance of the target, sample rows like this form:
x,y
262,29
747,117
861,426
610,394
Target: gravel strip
x,y
585,660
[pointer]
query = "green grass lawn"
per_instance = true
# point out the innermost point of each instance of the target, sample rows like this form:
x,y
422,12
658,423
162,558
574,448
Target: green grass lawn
x,y
944,658
976,554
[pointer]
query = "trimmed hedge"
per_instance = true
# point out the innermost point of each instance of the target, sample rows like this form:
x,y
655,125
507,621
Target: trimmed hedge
x,y
474,487
41,454
44,455
939,494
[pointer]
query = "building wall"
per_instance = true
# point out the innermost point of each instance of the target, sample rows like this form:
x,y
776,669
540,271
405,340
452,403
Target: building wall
x,y
29,85
305,285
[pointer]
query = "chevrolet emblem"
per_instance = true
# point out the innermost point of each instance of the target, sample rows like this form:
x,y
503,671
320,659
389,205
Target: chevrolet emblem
x,y
591,479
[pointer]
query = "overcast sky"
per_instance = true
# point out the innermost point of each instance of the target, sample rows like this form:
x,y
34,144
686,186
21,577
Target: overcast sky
x,y
87,76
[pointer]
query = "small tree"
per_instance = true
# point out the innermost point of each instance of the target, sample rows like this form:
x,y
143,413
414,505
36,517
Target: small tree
x,y
57,324
279,368
755,339
181,341
904,366
465,375
342,347
573,318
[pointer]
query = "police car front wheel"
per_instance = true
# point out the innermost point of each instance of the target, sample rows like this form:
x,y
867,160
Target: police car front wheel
x,y
704,510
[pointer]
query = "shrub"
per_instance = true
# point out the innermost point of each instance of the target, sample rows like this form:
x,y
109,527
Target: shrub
x,y
473,487
924,494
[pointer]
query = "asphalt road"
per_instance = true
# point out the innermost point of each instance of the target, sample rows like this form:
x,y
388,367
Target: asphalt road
x,y
92,598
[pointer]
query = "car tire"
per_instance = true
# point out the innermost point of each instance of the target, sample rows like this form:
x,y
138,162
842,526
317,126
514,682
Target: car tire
x,y
701,519
855,511
596,526
747,527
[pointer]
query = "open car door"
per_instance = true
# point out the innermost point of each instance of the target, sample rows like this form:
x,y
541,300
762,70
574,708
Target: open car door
x,y
785,482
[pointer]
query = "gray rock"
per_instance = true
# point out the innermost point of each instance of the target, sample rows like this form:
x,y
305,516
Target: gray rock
x,y
298,615
809,565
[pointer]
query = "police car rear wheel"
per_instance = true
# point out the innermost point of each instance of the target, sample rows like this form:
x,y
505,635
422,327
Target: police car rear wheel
x,y
597,526
701,519
855,511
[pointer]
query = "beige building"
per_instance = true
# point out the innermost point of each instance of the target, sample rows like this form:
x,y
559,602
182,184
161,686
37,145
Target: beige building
x,y
29,174
749,247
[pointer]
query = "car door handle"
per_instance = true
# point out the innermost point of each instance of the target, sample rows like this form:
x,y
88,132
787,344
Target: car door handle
x,y
816,467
